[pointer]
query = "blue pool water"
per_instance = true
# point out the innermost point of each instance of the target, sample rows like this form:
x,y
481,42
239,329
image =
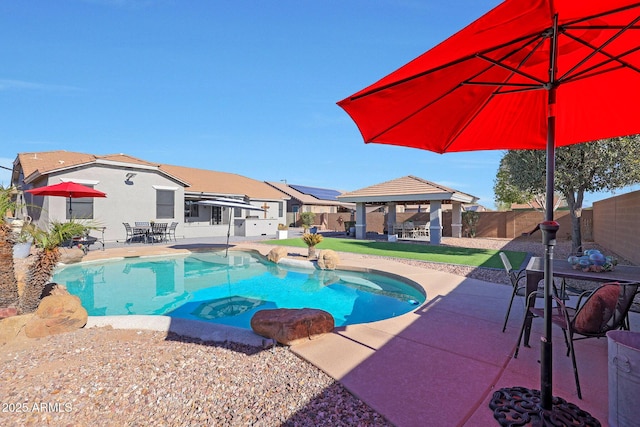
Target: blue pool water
x,y
229,290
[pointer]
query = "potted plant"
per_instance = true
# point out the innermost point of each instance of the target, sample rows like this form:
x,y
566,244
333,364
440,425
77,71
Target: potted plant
x,y
283,231
311,240
23,242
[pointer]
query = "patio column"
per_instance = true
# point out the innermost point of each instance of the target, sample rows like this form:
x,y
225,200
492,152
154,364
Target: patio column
x,y
435,222
456,219
391,217
361,221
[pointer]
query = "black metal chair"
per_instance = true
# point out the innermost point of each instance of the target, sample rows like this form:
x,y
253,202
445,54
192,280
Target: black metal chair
x,y
518,285
604,309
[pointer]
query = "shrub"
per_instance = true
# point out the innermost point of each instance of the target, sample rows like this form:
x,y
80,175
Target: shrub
x,y
311,239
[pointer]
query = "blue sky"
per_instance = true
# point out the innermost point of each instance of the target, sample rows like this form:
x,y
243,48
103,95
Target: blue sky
x,y
245,86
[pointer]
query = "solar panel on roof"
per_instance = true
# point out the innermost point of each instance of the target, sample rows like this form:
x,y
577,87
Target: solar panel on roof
x,y
318,193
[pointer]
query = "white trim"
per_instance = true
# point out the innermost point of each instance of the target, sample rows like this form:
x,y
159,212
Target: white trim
x,y
80,181
165,187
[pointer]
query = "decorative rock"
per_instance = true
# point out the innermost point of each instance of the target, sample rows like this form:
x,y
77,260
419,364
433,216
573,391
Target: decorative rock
x,y
71,255
289,326
56,314
11,327
276,254
328,259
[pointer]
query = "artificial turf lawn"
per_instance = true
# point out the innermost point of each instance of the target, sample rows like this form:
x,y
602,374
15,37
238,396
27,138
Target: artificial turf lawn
x,y
488,258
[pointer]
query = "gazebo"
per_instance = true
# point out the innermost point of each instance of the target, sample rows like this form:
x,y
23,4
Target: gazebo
x,y
410,190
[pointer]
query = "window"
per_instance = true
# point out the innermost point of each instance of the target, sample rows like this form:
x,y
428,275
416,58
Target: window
x,y
165,202
81,208
280,209
216,215
237,212
191,209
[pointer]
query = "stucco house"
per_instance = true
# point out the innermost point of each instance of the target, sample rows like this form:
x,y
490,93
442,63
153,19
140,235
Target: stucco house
x,y
138,190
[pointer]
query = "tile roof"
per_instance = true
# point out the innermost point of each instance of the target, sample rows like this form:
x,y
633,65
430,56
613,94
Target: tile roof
x,y
216,183
195,180
406,189
46,162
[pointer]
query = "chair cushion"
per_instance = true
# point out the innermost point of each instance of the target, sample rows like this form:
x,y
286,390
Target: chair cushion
x,y
598,310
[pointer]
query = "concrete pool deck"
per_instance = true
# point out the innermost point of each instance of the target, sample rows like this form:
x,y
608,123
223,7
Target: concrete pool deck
x,y
438,365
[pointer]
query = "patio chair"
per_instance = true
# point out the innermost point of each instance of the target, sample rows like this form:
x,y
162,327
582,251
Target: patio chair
x,y
421,230
132,233
171,231
604,309
159,232
518,288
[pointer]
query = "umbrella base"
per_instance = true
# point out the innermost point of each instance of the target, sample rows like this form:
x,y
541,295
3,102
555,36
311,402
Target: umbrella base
x,y
519,406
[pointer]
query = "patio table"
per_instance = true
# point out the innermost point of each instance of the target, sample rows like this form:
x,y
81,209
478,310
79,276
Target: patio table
x,y
561,268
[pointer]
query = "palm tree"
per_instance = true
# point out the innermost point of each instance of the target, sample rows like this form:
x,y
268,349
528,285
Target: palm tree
x,y
46,258
312,239
8,283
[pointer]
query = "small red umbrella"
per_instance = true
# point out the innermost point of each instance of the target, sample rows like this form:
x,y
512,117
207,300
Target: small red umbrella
x,y
527,75
67,189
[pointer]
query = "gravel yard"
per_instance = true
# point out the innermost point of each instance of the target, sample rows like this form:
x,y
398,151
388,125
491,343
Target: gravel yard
x,y
102,376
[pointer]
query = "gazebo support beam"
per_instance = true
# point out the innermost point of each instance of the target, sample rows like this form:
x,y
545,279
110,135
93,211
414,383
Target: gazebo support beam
x,y
361,221
435,222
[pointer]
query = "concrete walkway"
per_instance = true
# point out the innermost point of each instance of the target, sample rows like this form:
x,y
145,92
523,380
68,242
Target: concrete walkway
x,y
440,364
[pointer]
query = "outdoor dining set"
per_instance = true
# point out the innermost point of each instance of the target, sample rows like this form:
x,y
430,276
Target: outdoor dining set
x,y
411,229
150,232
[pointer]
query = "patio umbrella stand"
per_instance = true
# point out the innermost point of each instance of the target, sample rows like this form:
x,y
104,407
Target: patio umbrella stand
x,y
526,75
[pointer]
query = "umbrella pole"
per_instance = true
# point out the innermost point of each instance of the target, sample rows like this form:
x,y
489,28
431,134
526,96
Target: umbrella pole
x,y
543,408
226,251
549,228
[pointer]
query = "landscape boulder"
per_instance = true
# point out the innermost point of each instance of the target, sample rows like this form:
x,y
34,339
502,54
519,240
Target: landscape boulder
x,y
276,254
328,259
12,327
56,314
291,325
71,255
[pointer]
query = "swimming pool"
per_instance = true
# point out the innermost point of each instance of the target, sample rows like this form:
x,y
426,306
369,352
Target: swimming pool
x,y
228,290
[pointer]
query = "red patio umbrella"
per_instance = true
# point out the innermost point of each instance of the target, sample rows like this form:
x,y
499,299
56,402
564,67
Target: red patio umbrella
x,y
527,75
67,189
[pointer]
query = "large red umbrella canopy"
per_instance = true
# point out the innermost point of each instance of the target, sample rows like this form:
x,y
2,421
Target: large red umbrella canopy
x,y
67,189
527,75
484,88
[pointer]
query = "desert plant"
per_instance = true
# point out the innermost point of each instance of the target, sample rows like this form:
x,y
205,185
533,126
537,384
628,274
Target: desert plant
x,y
8,283
311,240
470,221
283,227
46,258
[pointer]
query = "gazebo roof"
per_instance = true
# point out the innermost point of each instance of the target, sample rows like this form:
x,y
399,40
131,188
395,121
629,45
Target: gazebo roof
x,y
407,190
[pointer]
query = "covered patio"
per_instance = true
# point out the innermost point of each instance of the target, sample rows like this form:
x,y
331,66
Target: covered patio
x,y
410,190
